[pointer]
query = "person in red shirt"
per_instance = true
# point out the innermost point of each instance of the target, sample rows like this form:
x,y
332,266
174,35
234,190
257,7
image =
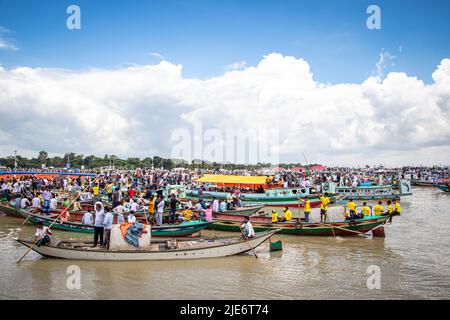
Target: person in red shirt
x,y
131,192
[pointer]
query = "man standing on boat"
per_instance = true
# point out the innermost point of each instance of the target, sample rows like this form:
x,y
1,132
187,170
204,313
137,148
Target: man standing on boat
x,y
247,228
46,196
159,210
173,208
323,207
107,225
98,224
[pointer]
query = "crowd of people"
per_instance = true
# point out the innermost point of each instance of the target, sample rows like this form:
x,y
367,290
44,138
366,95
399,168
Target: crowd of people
x,y
130,191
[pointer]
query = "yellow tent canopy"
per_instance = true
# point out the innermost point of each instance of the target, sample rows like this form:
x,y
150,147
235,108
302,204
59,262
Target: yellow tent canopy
x,y
233,180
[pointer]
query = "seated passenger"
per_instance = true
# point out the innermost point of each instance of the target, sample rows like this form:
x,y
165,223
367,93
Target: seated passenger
x,y
287,214
365,212
274,216
378,209
186,214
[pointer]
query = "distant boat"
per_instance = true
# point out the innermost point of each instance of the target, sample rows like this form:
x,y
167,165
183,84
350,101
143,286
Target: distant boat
x,y
367,193
158,249
422,183
444,187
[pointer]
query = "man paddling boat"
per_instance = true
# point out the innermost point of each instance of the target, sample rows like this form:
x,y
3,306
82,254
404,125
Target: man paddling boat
x,y
247,228
42,235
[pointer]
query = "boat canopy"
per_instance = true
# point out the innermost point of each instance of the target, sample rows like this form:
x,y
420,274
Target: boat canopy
x,y
232,180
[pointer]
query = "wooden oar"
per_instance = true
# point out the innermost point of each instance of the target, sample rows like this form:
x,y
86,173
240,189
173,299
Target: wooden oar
x,y
364,234
249,245
332,228
54,221
29,216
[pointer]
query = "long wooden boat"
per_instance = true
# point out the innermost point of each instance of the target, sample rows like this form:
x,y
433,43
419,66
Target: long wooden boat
x,y
9,209
422,183
296,227
158,250
257,199
180,230
369,193
444,187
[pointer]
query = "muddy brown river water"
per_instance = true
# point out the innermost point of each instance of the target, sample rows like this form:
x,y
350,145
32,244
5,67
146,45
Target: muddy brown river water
x,y
413,259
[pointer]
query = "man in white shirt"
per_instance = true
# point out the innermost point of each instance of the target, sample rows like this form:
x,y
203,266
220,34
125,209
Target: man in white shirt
x,y
215,205
88,218
159,210
107,225
131,217
36,202
24,203
42,235
247,228
53,204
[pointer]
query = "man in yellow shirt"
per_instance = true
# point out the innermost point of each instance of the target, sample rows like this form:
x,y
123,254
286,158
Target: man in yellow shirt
x,y
96,192
365,212
390,210
323,207
378,209
186,215
306,209
287,214
397,208
109,190
351,206
151,208
274,216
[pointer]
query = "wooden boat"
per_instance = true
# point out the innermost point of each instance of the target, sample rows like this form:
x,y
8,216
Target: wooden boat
x,y
272,198
299,228
244,211
368,193
9,209
179,230
444,187
158,250
422,183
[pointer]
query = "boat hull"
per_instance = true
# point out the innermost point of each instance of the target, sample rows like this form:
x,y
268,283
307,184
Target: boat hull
x,y
307,229
9,210
443,187
258,199
140,255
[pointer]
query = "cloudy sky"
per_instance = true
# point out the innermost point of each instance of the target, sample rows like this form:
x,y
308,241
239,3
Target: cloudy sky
x,y
313,75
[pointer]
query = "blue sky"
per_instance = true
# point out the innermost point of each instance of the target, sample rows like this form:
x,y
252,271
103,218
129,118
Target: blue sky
x,y
206,35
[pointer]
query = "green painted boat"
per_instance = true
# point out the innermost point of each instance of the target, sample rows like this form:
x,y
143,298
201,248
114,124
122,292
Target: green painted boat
x,y
9,209
307,229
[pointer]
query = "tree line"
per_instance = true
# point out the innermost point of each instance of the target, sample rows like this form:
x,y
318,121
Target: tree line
x,y
91,162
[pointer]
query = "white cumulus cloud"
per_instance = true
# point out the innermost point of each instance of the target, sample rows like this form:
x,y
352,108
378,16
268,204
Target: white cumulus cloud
x,y
133,111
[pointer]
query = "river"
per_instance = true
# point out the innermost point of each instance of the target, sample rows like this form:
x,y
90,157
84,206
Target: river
x,y
413,260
